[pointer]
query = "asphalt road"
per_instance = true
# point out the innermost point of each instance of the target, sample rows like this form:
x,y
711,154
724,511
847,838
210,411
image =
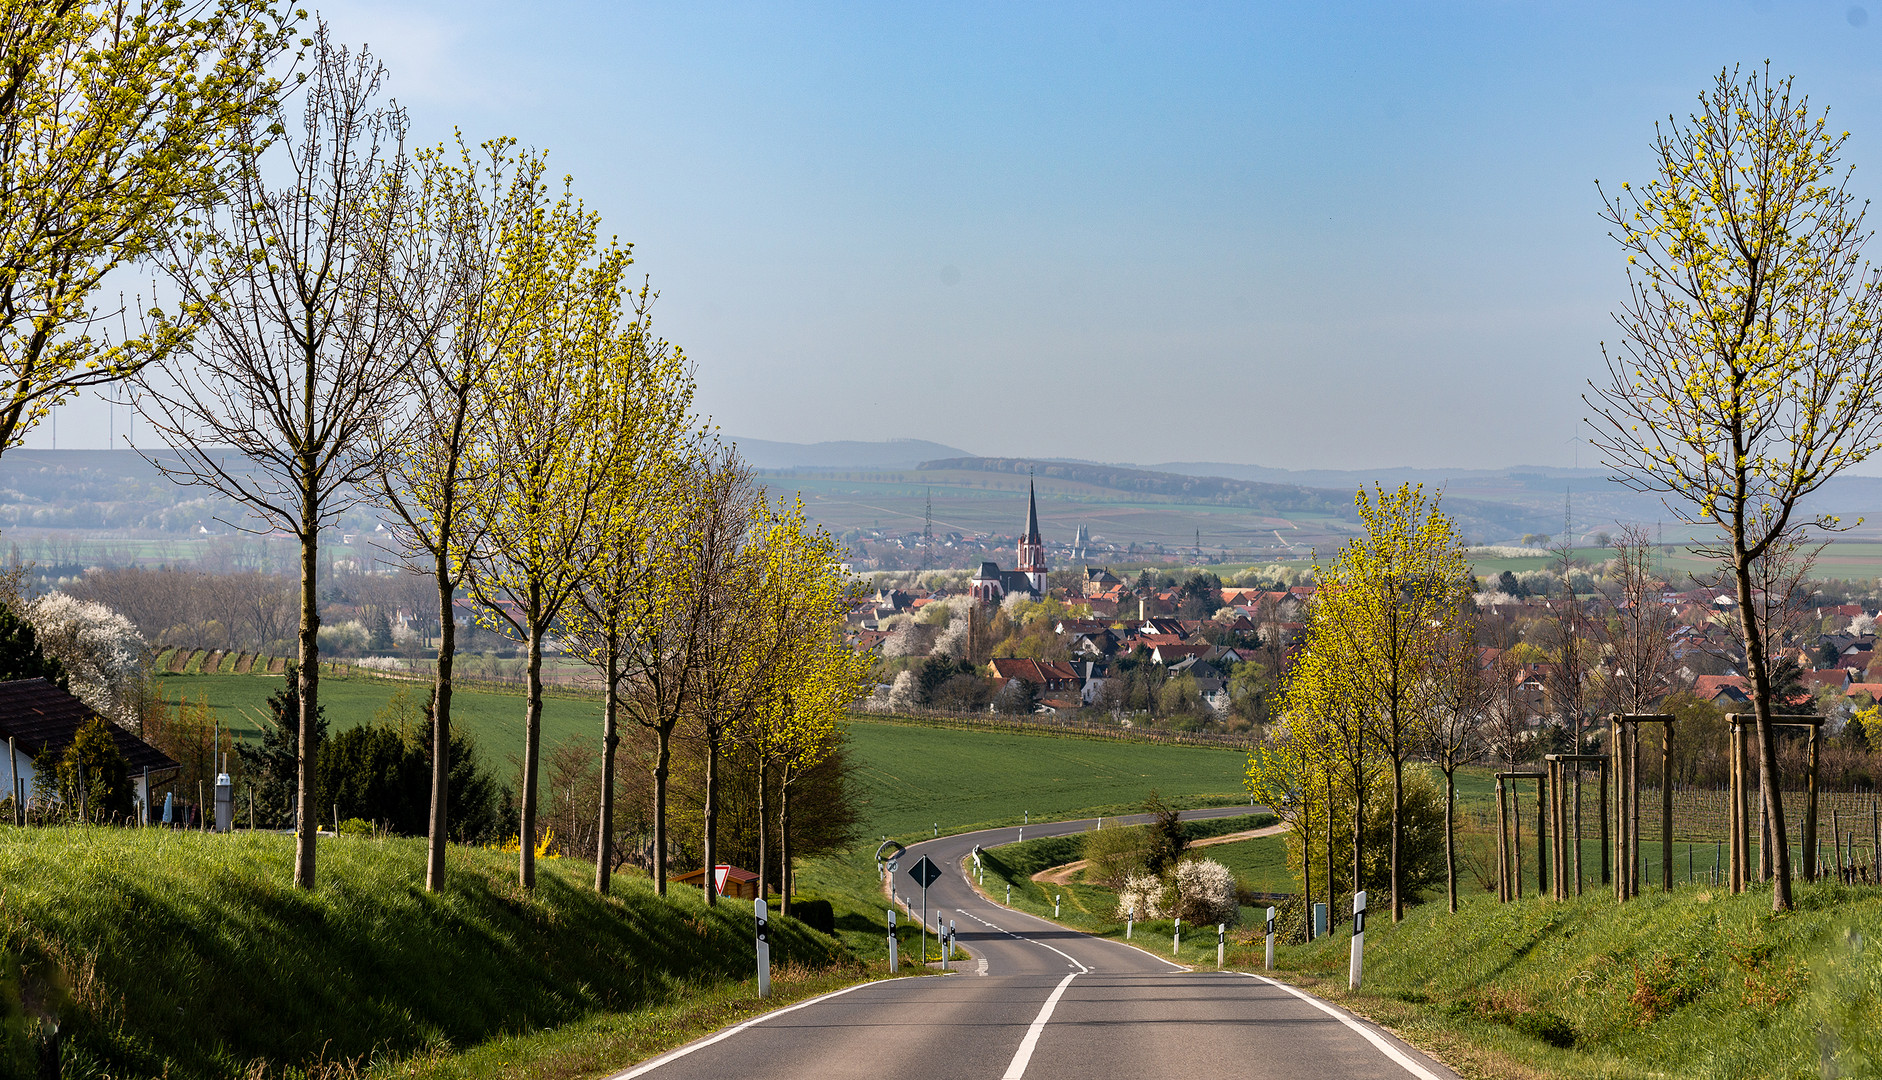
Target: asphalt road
x,y
1041,1002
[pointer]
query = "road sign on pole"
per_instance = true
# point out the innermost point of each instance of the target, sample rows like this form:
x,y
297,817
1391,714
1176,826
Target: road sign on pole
x,y
925,872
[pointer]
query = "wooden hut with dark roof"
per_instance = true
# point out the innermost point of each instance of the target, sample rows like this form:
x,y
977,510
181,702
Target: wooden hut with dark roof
x,y
38,720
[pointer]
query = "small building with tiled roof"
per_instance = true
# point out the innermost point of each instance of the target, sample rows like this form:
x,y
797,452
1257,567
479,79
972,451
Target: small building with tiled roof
x,y
38,721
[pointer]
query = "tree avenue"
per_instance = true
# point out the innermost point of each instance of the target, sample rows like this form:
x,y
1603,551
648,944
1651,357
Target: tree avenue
x,y
1749,370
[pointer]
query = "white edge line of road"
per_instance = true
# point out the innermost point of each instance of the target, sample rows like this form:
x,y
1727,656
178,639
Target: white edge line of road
x,y
1371,1036
674,1055
1023,1056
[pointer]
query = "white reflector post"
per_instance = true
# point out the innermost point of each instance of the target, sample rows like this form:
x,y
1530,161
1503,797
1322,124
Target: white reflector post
x,y
1270,939
893,959
1359,939
764,948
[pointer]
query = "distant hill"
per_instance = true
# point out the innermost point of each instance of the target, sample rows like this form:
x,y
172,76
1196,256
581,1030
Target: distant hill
x,y
1189,489
888,454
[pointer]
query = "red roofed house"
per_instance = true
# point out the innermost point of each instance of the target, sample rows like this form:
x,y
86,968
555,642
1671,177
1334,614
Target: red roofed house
x,y
38,721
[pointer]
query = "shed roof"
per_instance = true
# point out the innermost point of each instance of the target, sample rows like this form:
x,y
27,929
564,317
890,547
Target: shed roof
x,y
44,719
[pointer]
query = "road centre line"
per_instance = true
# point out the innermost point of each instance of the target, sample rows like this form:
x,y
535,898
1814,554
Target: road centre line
x,y
1371,1036
1023,1056
674,1055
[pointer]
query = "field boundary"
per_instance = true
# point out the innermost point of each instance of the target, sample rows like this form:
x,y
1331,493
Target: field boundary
x,y
1075,729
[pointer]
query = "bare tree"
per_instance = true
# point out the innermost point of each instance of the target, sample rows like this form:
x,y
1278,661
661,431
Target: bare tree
x,y
1454,731
297,359
1638,633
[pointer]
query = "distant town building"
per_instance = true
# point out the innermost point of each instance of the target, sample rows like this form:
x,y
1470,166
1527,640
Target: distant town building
x,y
990,584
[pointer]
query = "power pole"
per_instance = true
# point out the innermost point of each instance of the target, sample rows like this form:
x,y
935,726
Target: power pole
x,y
927,532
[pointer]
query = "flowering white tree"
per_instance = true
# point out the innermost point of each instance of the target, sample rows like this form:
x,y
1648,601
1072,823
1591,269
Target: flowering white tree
x,y
1141,897
101,650
1205,892
906,693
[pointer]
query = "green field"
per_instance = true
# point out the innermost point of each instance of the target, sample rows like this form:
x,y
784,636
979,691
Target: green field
x,y
493,718
918,777
1260,863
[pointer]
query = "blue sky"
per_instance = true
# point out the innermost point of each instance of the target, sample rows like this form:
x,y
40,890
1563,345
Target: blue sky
x,y
1330,236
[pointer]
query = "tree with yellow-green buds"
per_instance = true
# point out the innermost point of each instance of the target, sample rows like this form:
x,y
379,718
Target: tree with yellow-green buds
x,y
120,122
546,449
460,303
649,391
1749,370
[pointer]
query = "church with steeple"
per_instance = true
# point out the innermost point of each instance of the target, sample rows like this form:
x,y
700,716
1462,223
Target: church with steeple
x,y
990,584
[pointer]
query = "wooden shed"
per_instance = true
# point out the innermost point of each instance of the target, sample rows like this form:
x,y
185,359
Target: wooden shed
x,y
730,881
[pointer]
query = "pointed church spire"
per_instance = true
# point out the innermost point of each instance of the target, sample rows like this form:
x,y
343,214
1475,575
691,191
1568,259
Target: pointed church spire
x,y
1032,512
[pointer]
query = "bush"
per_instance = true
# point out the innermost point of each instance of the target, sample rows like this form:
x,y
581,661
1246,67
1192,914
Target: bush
x,y
816,914
92,772
1116,854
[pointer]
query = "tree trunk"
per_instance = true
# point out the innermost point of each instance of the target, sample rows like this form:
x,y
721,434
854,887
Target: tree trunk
x,y
764,827
1329,844
532,753
784,848
1306,864
1758,662
1398,811
661,770
1450,840
712,818
307,816
610,741
1359,831
441,730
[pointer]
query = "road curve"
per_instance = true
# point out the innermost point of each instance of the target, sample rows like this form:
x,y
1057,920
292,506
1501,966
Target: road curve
x,y
1041,1002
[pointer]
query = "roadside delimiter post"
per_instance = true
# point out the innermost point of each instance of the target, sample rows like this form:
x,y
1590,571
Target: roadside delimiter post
x,y
764,949
893,959
1359,940
1270,939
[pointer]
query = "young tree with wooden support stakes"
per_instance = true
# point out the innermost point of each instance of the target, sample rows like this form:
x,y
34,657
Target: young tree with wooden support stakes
x,y
1749,371
275,402
548,452
1510,833
459,306
121,126
1320,711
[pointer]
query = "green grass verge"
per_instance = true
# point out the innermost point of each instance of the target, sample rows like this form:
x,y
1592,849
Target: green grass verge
x,y
191,955
1693,984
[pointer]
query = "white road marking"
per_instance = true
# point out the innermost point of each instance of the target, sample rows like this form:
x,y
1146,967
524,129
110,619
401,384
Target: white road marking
x,y
983,967
674,1055
1023,1056
1370,1035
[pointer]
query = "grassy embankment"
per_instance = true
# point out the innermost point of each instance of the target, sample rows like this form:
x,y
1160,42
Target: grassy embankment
x,y
1693,984
191,955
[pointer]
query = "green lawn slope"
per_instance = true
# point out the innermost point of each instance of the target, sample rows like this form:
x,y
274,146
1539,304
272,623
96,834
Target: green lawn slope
x,y
190,955
1692,984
